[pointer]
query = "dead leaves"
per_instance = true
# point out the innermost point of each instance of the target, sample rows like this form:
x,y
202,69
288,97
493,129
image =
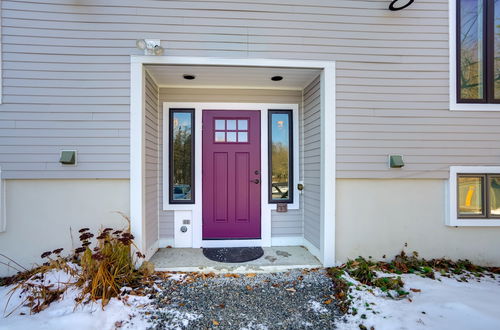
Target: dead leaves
x,y
214,322
291,290
415,290
328,302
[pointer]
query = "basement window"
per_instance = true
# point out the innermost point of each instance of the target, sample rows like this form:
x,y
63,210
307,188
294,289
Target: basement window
x,y
475,196
181,156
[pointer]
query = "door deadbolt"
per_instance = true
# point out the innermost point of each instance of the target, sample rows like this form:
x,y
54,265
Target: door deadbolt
x,y
257,172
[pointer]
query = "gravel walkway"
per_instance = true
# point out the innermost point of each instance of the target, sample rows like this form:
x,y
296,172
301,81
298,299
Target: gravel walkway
x,y
299,299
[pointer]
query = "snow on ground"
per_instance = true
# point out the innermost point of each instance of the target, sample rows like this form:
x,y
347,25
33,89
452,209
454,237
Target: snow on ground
x,y
63,314
444,304
441,304
317,307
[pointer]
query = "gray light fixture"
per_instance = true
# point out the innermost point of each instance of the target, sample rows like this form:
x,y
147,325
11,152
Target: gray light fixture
x,y
150,46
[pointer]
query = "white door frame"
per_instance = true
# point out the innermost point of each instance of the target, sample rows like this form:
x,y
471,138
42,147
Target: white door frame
x,y
137,134
197,207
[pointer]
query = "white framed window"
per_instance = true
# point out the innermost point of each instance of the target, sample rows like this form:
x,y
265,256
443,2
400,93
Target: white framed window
x,y
474,196
474,55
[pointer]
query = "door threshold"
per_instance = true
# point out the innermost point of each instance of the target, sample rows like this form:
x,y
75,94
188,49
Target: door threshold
x,y
222,243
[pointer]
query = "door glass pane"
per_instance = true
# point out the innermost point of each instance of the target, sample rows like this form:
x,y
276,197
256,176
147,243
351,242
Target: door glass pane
x,y
242,137
182,161
280,156
220,137
220,124
231,125
470,196
231,136
471,49
495,196
243,123
496,49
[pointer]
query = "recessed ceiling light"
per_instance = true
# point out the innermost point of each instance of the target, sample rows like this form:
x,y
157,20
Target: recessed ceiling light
x,y
276,78
189,76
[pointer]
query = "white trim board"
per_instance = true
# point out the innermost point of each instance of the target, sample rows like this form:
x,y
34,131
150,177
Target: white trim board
x,y
197,207
453,68
452,218
328,163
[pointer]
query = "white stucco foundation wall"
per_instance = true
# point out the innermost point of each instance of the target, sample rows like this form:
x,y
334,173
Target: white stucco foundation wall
x,y
377,217
41,213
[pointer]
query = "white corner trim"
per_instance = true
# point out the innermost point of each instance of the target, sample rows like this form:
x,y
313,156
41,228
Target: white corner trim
x,y
137,155
452,218
328,166
454,106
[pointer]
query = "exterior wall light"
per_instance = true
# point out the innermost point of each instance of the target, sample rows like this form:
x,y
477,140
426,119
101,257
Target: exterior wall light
x,y
150,46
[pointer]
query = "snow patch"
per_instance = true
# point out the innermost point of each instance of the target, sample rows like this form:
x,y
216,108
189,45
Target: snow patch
x,y
317,307
441,304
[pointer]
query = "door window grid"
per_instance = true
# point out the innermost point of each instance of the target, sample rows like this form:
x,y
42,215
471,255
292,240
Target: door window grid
x,y
231,131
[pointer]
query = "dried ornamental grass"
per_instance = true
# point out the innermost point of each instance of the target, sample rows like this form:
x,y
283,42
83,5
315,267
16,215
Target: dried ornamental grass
x,y
100,271
107,267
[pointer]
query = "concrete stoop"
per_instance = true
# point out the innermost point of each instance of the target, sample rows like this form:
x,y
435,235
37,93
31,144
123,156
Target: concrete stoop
x,y
275,259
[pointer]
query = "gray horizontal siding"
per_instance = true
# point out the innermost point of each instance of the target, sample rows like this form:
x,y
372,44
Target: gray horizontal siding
x,y
282,224
152,162
312,160
65,68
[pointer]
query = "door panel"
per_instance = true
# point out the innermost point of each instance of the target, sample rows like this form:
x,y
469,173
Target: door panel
x,y
231,174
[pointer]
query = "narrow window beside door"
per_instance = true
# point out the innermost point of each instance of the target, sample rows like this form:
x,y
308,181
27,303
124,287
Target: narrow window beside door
x,y
181,156
280,156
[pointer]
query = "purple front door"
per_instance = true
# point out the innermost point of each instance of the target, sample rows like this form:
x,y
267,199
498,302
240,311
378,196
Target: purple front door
x,y
231,174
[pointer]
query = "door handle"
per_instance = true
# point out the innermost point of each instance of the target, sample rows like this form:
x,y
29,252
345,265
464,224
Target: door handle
x,y
256,181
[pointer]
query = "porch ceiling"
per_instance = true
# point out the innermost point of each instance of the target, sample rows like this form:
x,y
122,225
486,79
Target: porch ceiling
x,y
231,77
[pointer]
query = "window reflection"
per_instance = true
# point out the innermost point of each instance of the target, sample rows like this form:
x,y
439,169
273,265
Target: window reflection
x,y
496,47
181,158
280,128
495,196
470,196
471,49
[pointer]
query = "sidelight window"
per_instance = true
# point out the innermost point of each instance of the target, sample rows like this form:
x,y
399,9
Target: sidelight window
x,y
280,156
181,152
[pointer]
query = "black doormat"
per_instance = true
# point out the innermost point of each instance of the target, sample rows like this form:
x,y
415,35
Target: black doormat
x,y
233,255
